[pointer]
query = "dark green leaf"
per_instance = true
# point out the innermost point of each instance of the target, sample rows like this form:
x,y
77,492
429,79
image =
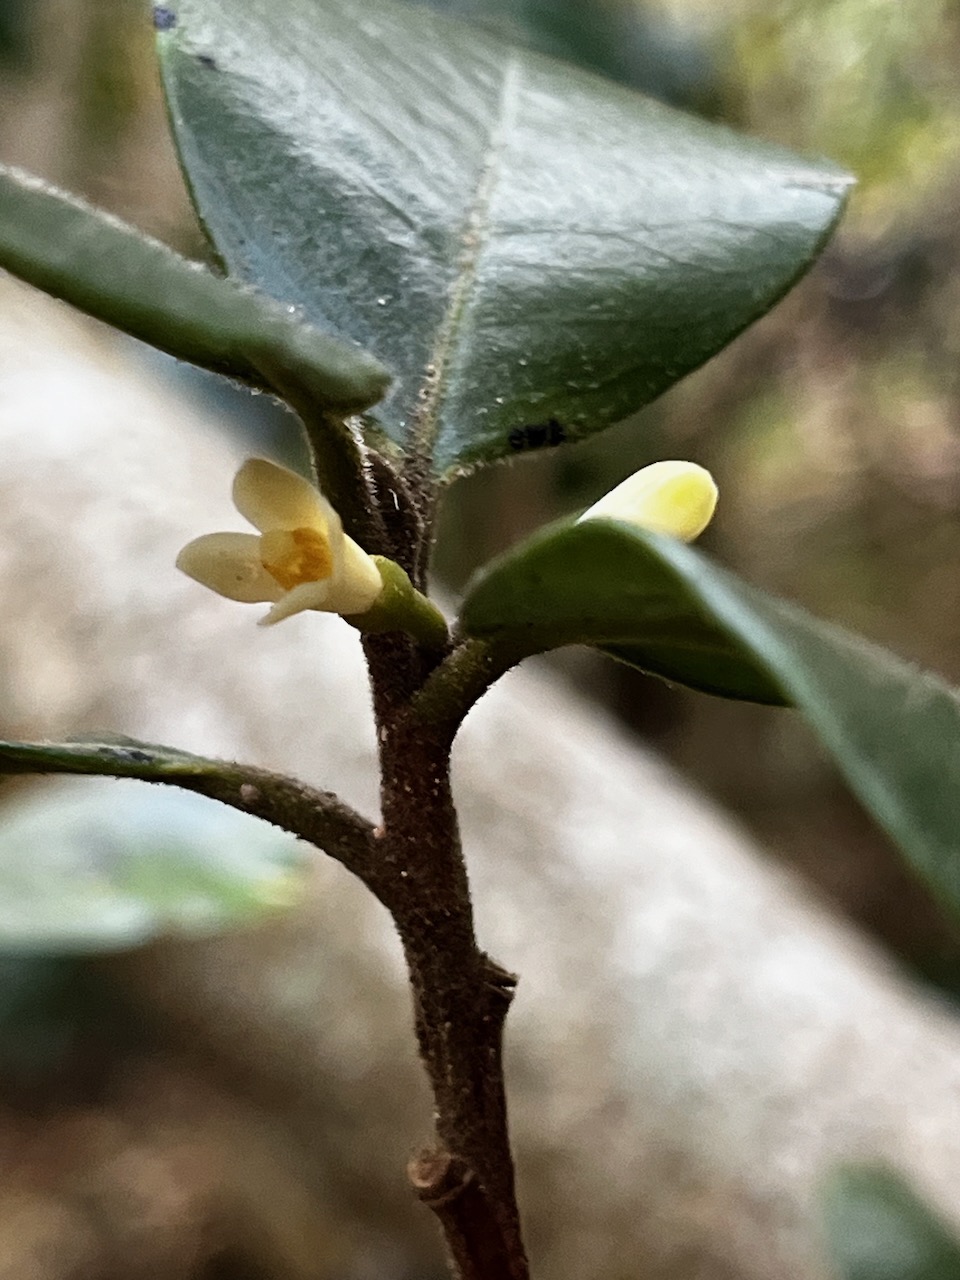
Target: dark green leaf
x,y
51,1006
115,273
45,1005
878,1230
94,865
604,584
534,251
16,46
893,731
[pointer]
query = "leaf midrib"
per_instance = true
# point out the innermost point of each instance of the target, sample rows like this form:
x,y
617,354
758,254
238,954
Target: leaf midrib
x,y
474,239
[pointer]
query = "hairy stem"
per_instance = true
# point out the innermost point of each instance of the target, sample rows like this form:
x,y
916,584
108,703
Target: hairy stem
x,y
318,817
339,460
460,995
461,680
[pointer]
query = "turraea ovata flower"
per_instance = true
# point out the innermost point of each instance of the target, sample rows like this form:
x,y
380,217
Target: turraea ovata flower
x,y
675,498
301,558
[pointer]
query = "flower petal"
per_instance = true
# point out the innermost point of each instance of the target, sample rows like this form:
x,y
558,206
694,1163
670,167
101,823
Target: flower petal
x,y
309,595
229,563
359,584
676,498
272,497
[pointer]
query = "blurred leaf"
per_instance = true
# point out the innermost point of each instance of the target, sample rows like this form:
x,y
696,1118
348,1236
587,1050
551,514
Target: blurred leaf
x,y
113,272
893,731
533,251
640,47
96,866
878,1230
49,1007
16,46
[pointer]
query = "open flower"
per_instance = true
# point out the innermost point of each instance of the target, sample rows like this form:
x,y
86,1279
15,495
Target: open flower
x,y
301,558
676,498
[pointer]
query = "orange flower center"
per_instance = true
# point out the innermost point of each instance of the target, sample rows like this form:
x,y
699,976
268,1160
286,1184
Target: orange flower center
x,y
295,556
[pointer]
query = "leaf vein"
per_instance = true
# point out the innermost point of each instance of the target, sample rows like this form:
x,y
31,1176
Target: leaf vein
x,y
474,238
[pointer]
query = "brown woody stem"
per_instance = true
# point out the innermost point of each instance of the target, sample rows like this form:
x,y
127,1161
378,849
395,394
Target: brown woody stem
x,y
460,995
450,1188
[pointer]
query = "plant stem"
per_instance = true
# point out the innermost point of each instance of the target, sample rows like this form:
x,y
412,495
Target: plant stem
x,y
338,459
318,817
460,995
462,679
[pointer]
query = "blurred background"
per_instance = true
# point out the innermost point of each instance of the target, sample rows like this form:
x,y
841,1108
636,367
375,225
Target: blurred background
x,y
832,425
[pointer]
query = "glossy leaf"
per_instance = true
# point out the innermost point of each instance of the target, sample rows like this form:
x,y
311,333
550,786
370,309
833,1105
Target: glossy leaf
x,y
878,1229
92,866
115,273
534,251
893,731
604,584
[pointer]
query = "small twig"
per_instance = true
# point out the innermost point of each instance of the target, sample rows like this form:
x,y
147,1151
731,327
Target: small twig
x,y
319,817
461,680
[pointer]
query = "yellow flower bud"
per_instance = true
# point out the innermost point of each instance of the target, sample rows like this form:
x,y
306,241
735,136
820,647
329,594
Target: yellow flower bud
x,y
675,498
301,559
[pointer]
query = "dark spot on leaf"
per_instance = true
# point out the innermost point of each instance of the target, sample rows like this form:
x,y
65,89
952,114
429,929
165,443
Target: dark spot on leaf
x,y
130,754
207,61
537,436
164,19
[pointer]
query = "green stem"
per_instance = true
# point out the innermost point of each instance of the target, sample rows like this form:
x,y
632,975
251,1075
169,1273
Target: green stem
x,y
318,817
462,679
338,460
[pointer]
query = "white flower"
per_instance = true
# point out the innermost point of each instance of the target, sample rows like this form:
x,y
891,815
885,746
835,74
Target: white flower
x,y
301,558
676,498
